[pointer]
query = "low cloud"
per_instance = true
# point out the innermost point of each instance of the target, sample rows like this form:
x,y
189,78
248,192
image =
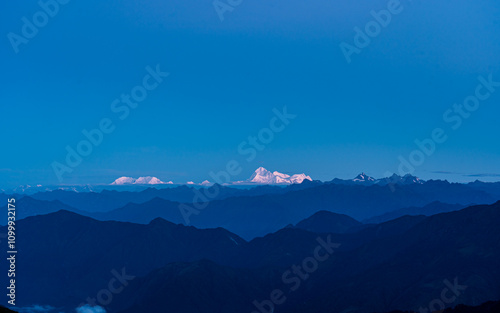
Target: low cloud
x,y
90,309
444,172
35,309
483,175
468,175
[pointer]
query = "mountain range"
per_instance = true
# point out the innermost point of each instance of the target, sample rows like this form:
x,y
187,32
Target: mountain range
x,y
214,248
257,211
261,176
400,264
148,180
265,177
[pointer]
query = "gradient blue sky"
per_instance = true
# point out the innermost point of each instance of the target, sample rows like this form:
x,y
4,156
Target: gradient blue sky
x,y
226,77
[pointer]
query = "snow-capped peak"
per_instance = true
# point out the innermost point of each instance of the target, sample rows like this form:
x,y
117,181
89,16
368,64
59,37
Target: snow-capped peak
x,y
278,174
409,179
124,181
363,178
263,176
299,178
405,180
148,180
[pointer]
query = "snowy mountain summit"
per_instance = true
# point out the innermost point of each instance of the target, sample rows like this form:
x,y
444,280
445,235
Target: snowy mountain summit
x,y
408,179
263,176
363,178
148,180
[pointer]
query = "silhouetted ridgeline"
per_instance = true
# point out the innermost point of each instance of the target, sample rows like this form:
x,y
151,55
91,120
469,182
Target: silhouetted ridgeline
x,y
405,263
265,209
487,307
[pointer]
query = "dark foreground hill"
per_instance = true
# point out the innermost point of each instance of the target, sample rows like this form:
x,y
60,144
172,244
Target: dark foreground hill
x,y
487,307
406,271
76,255
449,258
410,270
402,264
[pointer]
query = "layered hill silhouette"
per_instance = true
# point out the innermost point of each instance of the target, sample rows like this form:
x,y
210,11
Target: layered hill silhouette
x,y
328,222
400,264
258,215
427,210
107,200
406,269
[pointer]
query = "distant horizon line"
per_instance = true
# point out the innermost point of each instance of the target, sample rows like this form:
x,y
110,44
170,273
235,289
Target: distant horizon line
x,y
454,177
207,183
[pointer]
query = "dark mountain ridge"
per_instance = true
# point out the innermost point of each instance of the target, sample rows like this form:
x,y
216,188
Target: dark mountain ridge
x,y
400,264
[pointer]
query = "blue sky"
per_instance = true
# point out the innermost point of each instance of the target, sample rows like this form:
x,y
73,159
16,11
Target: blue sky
x,y
226,77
